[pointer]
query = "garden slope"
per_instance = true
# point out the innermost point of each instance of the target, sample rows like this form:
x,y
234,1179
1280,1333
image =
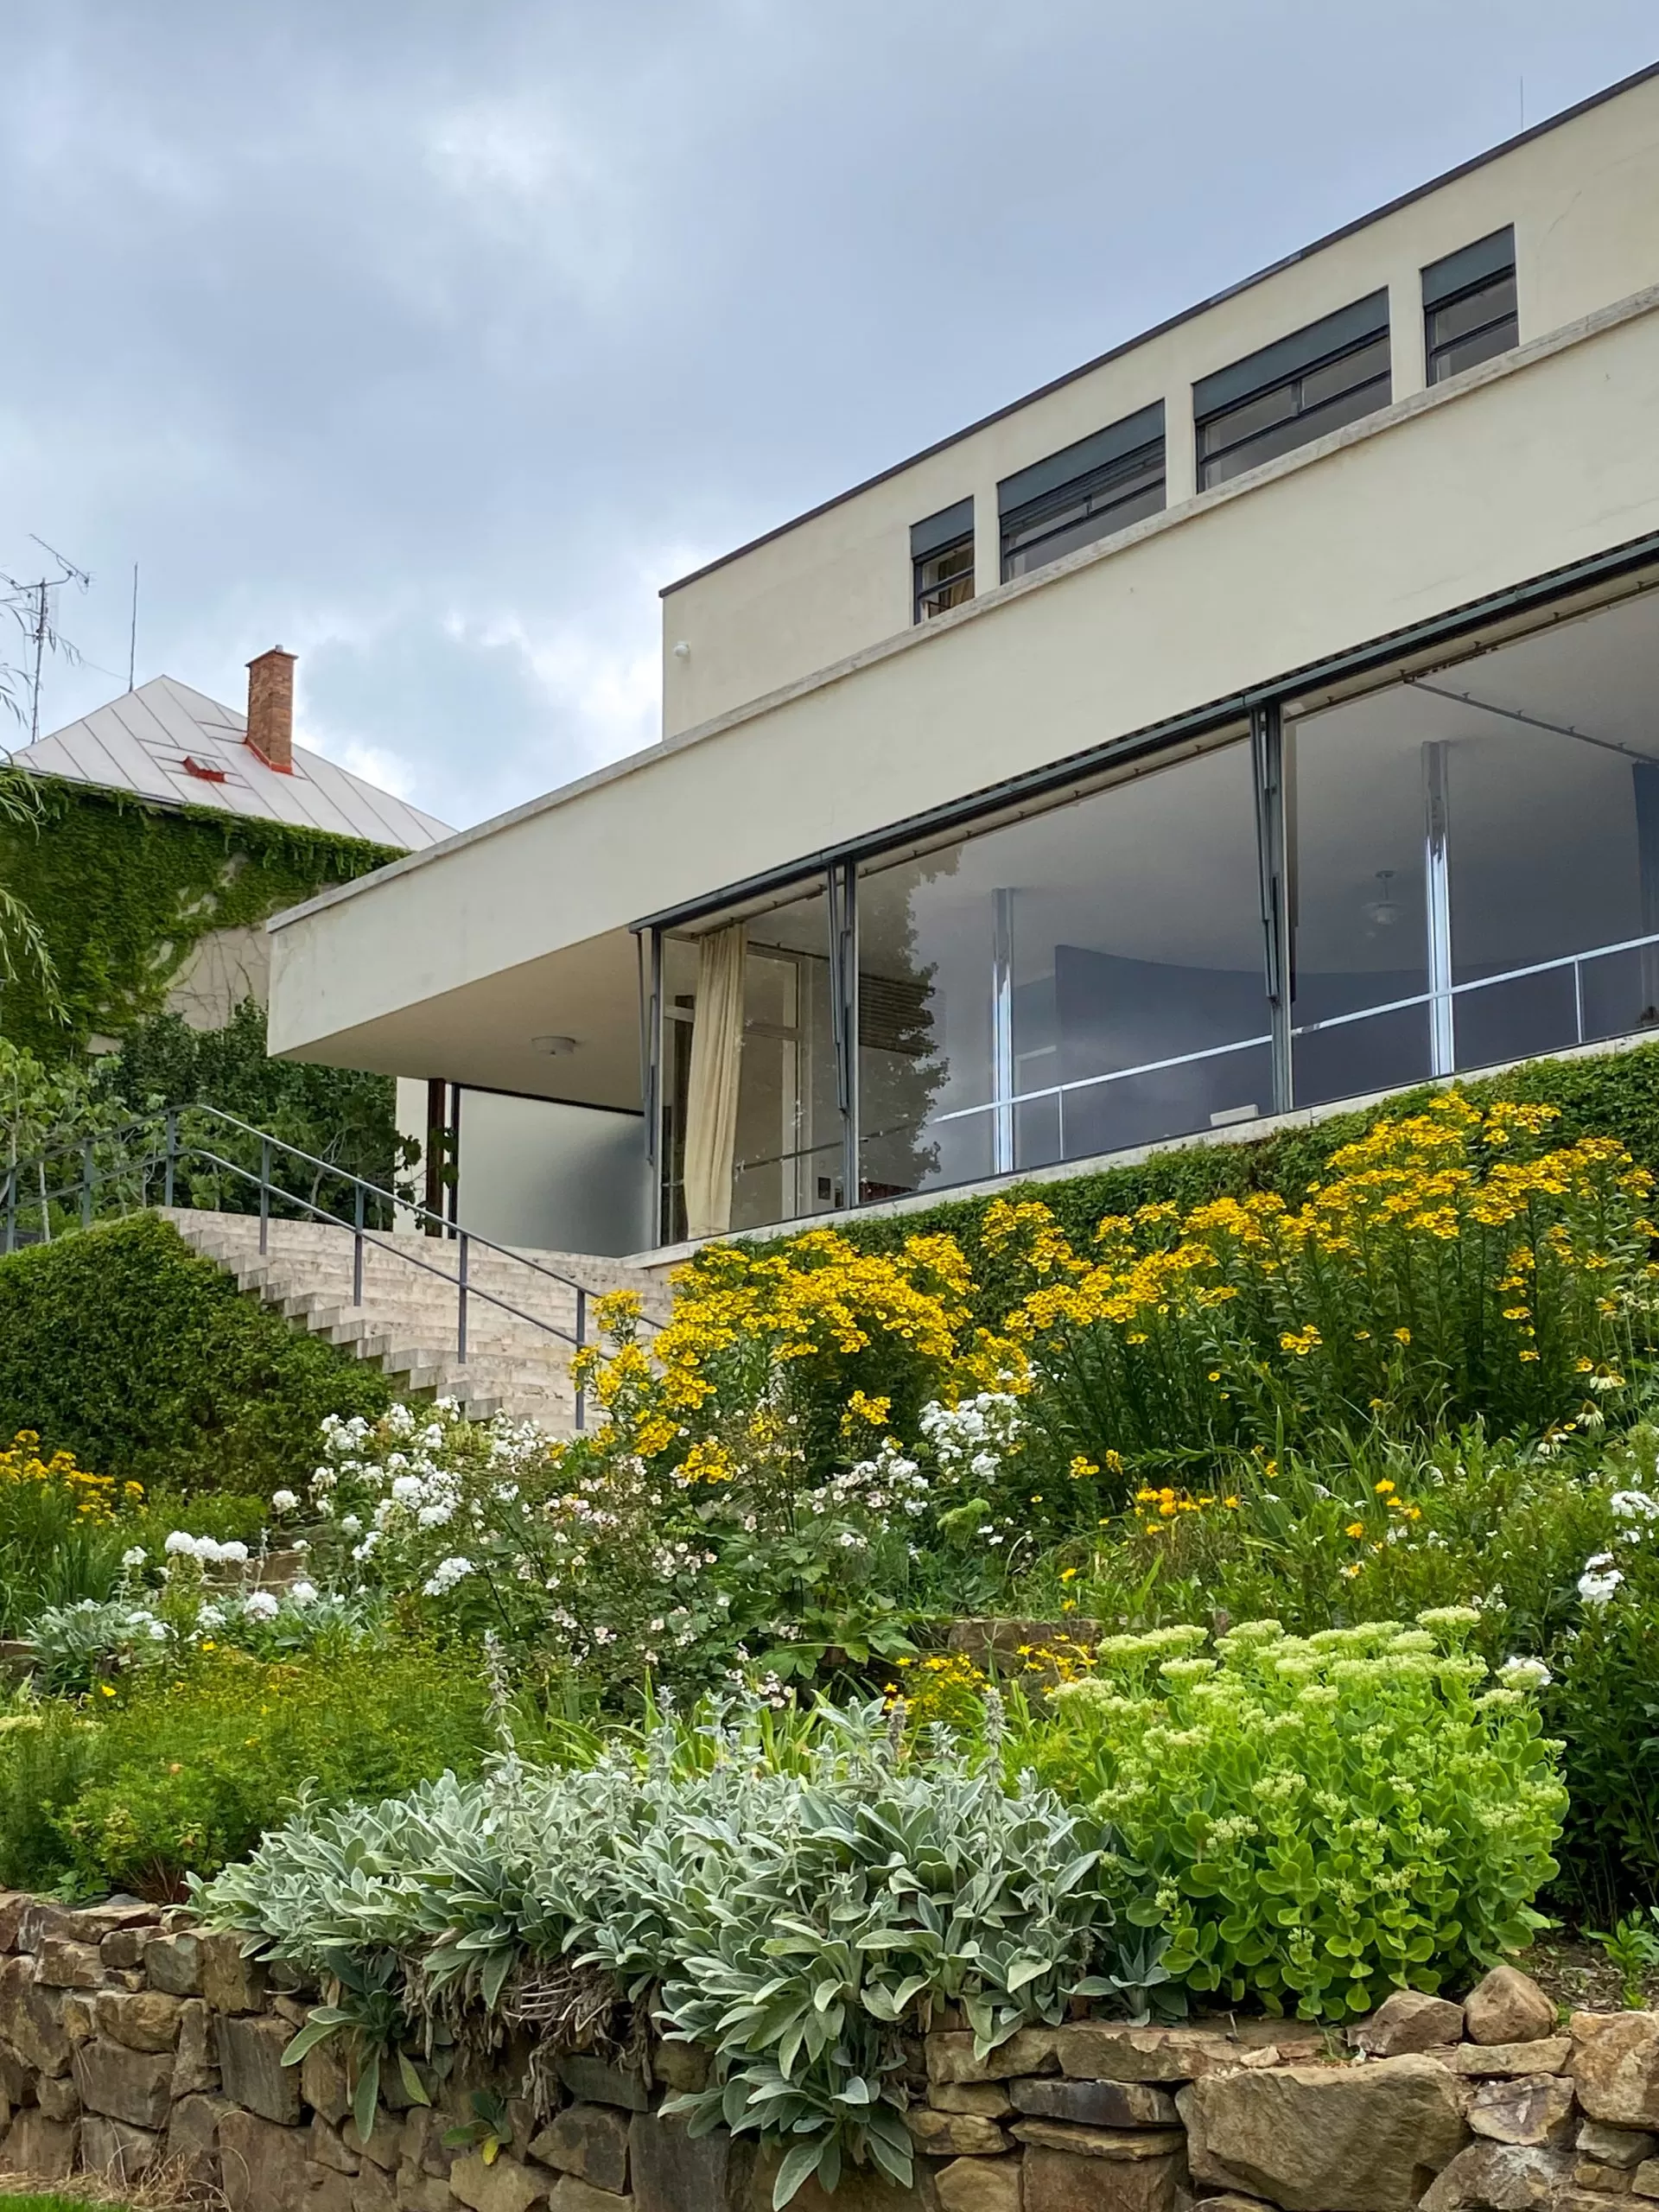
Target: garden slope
x,y
121,1345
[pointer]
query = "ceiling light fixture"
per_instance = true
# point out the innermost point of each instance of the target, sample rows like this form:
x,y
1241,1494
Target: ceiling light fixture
x,y
555,1047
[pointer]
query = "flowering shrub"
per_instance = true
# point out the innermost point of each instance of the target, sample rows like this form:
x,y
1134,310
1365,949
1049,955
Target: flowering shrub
x,y
60,1529
1326,1818
756,1908
1451,1267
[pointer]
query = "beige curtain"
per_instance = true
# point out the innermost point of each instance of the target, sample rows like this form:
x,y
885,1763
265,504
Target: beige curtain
x,y
711,1100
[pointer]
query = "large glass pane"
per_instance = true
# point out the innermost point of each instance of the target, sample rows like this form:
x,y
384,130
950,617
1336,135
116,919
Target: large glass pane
x,y
1552,780
752,1124
1080,981
1355,786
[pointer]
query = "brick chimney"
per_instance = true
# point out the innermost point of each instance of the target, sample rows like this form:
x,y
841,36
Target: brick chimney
x,y
270,709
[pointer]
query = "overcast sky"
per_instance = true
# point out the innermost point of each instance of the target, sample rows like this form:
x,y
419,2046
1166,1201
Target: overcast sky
x,y
429,338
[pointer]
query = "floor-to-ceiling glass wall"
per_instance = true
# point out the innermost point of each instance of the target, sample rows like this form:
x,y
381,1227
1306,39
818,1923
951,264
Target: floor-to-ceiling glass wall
x,y
753,1131
1482,841
1087,978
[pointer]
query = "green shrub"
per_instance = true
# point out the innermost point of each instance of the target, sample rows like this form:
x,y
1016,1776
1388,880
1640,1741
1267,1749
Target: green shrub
x,y
191,1772
796,1925
1325,1819
144,1360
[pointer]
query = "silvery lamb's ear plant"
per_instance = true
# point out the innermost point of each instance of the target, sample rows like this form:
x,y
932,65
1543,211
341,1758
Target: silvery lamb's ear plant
x,y
793,1924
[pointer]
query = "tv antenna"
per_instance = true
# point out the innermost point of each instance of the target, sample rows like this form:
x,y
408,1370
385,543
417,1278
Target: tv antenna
x,y
32,604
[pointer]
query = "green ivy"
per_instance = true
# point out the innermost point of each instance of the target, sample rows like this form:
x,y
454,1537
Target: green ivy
x,y
122,891
121,1345
1608,1093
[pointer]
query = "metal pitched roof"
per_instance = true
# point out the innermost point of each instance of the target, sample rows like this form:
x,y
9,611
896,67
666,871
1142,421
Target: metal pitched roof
x,y
168,743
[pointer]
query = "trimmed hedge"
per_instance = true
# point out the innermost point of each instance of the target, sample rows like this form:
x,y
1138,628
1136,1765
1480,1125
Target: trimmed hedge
x,y
1611,1094
123,1345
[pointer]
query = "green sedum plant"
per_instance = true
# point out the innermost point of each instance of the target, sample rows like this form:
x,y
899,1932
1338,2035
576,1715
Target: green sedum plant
x,y
1325,1818
794,1923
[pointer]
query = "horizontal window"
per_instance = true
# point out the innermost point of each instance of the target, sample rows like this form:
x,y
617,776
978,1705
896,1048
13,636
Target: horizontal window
x,y
1469,306
1293,391
1100,485
942,560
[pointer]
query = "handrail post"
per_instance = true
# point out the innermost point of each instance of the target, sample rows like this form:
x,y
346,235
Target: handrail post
x,y
172,1156
581,1339
460,1303
357,1251
86,1182
264,1196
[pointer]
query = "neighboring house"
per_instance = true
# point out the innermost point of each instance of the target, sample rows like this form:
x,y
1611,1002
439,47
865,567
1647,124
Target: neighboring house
x,y
174,827
1263,715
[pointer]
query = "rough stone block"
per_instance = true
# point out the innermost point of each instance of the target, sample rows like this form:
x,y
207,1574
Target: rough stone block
x,y
1028,2051
596,2082
326,2191
135,2086
422,2144
1101,2051
324,2082
1616,2066
591,2140
372,2191
572,2194
13,1906
119,2153
680,2066
1499,2178
1646,2180
985,2100
1615,2147
1491,2061
1611,2181
173,1964
142,2020
1097,2104
1408,2021
262,2166
670,2171
329,2148
382,2146
954,2135
229,1982
31,2021
79,2022
252,2070
508,2185
859,2189
44,2149
192,2140
195,2070
1534,2109
125,1946
1326,2139
1119,2145
978,2185
419,2192
57,2097
1061,2181
1508,2006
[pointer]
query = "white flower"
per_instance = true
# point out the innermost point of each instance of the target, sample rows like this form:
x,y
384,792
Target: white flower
x,y
445,1575
1525,1675
135,1557
235,1554
350,1525
211,1616
1633,1505
261,1605
157,1632
303,1593
284,1500
180,1545
1600,1580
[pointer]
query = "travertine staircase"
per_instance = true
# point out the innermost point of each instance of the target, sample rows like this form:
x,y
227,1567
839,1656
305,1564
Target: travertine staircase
x,y
408,1319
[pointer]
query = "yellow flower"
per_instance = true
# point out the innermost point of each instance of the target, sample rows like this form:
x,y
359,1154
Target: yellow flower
x,y
1082,1468
1356,1528
1403,1336
1383,1487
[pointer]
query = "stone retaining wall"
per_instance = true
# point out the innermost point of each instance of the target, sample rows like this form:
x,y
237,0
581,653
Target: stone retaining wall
x,y
130,2042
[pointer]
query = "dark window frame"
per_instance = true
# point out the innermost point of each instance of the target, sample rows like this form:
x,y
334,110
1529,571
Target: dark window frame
x,y
1118,467
1484,269
1290,365
945,537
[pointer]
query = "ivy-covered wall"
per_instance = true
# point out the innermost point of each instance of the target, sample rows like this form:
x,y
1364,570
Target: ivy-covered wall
x,y
125,891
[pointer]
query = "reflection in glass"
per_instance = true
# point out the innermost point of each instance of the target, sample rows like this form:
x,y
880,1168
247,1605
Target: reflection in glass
x,y
1087,979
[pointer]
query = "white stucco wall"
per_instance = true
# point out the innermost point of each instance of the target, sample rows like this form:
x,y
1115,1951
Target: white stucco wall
x,y
556,1177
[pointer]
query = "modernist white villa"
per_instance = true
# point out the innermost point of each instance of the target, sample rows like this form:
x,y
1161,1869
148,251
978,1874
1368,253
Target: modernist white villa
x,y
1263,715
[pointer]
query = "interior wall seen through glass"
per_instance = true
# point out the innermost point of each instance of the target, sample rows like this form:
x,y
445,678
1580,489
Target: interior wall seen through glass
x,y
1087,979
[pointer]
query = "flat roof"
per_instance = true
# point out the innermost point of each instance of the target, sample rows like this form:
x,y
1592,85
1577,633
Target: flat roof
x,y
1172,322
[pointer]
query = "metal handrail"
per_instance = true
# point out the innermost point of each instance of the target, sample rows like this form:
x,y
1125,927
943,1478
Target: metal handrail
x,y
172,1153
